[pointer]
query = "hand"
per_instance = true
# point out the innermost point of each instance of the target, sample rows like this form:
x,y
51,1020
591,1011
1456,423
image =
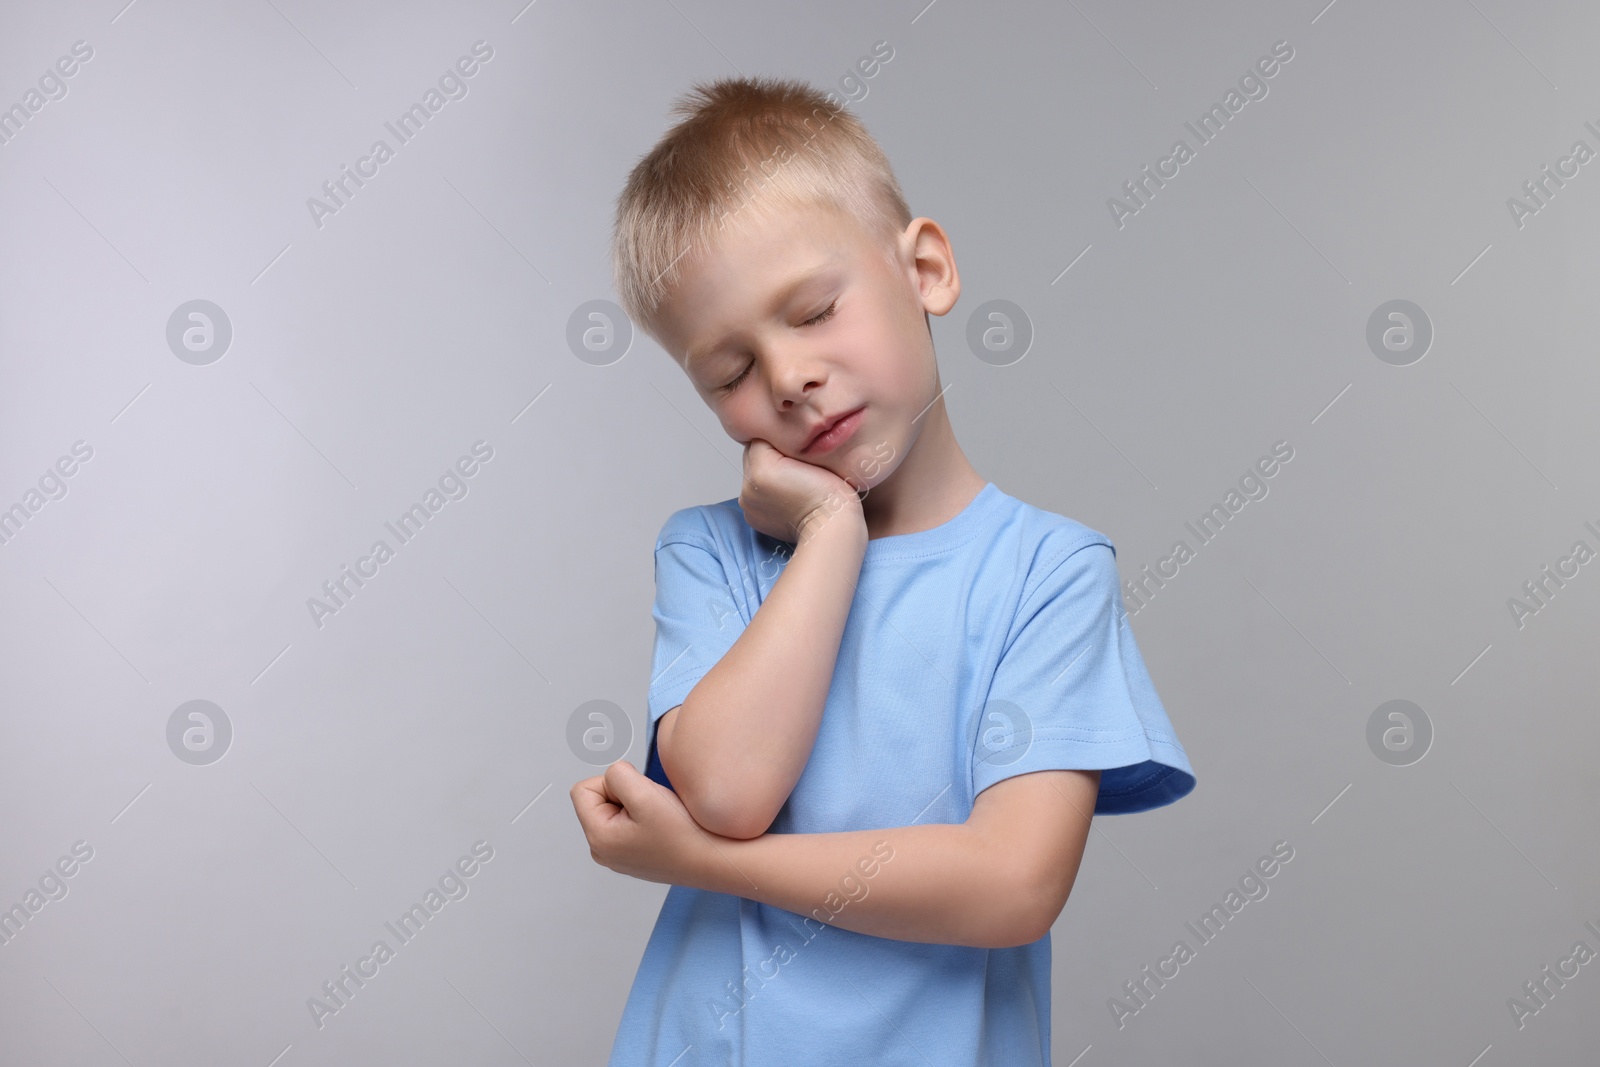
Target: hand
x,y
781,495
640,828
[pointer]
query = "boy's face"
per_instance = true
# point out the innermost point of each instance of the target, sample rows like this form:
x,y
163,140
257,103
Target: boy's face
x,y
807,308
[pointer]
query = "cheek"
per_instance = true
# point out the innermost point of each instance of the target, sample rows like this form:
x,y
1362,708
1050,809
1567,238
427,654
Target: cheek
x,y
735,423
902,372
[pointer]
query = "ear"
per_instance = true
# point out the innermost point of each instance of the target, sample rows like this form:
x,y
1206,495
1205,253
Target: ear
x,y
934,263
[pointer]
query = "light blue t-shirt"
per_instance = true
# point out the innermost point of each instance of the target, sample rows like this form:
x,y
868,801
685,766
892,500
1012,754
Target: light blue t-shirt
x,y
989,646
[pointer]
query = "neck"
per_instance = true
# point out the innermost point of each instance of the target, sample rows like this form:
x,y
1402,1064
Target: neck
x,y
932,485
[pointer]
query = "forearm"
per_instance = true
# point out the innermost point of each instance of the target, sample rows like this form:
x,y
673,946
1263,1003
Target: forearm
x,y
937,883
736,746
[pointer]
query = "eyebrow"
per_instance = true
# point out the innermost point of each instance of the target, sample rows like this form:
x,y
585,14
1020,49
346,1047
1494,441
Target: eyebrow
x,y
780,297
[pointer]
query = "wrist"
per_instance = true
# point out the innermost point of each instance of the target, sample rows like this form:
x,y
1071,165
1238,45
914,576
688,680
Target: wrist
x,y
839,515
715,866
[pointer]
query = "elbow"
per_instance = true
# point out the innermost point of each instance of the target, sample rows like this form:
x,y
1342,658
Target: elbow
x,y
738,817
1023,928
716,805
1037,903
1033,926
739,821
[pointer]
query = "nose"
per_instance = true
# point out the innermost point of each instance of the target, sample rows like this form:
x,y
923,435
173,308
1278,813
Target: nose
x,y
796,372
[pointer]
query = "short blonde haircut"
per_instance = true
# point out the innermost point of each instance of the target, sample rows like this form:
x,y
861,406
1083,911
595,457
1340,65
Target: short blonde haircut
x,y
743,143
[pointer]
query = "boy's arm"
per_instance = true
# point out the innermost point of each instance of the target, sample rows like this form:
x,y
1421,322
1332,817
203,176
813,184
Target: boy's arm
x,y
998,880
737,744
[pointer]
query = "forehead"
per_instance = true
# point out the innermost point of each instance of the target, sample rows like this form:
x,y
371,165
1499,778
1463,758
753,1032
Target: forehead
x,y
755,262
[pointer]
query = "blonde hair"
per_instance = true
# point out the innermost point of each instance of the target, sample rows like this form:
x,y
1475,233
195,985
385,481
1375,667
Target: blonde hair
x,y
769,142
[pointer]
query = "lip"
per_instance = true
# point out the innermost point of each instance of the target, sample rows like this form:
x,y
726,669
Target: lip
x,y
835,432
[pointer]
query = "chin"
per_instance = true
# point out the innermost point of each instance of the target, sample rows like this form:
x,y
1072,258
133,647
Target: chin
x,y
873,460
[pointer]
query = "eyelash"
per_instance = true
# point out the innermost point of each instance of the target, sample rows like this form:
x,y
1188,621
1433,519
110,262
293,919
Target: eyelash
x,y
824,316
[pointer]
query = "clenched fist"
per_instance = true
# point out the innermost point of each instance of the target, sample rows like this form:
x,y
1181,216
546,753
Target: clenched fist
x,y
783,497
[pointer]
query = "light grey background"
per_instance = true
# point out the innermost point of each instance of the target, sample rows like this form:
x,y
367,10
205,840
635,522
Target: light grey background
x,y
368,354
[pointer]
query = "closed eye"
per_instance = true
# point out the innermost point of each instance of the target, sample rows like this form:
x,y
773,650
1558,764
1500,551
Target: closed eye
x,y
822,316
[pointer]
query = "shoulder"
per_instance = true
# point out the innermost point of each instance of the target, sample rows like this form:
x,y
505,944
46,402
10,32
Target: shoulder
x,y
1056,549
696,525
718,528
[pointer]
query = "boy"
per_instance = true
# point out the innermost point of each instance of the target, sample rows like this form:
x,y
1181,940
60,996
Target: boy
x,y
887,697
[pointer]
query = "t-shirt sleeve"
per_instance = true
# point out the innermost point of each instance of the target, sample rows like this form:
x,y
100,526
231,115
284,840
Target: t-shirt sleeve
x,y
1071,693
697,617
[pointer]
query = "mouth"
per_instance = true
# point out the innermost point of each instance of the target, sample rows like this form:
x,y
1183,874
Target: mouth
x,y
834,433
